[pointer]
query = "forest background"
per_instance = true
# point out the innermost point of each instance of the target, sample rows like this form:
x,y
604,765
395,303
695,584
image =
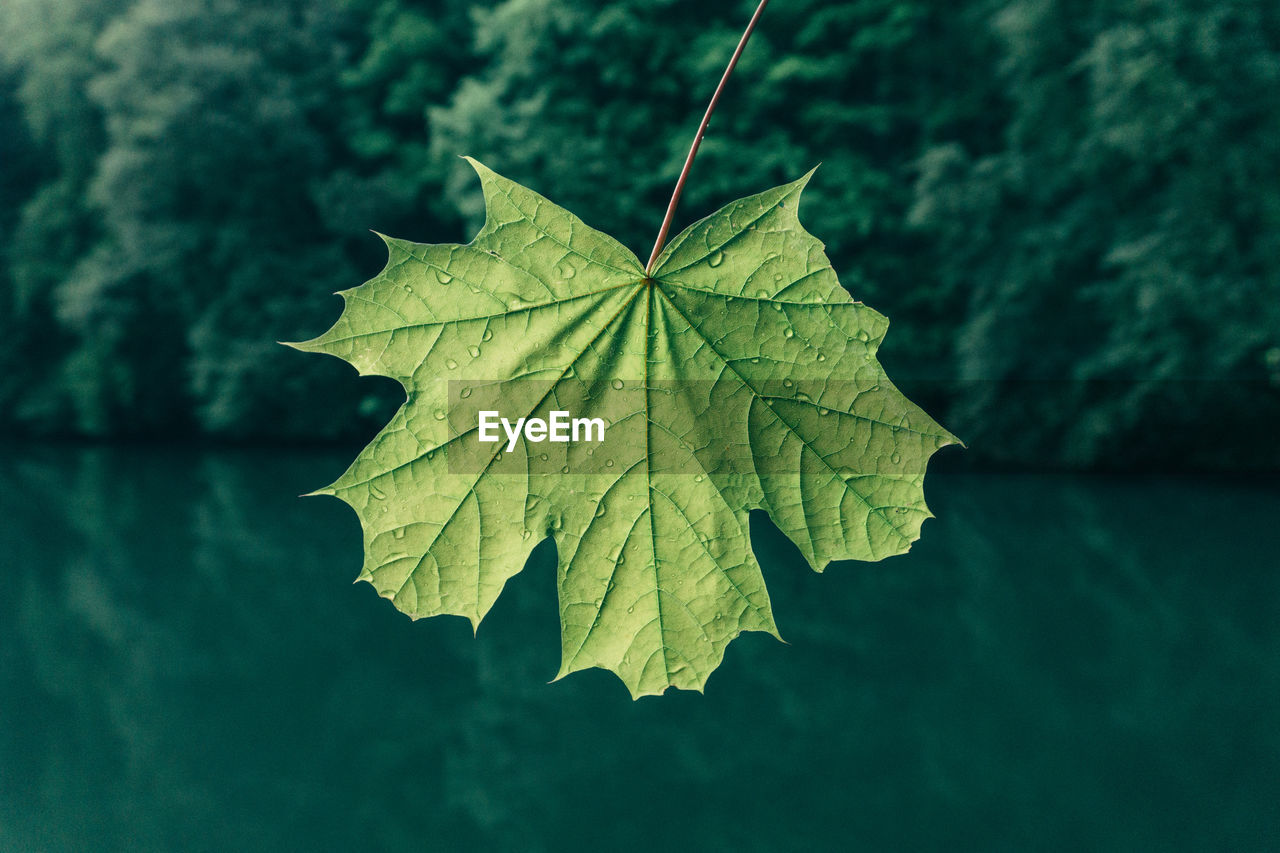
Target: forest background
x,y
1069,209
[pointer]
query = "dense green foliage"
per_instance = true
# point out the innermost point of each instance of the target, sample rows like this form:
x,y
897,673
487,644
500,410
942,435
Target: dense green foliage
x,y
1069,209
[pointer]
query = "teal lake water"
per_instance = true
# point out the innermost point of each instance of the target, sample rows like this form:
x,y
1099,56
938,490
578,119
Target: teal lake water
x,y
1062,663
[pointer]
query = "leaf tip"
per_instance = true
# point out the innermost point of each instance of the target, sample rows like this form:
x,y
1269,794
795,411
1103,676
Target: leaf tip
x,y
803,181
637,693
480,168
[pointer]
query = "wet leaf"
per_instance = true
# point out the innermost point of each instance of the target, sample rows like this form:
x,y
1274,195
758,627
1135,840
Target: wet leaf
x,y
741,375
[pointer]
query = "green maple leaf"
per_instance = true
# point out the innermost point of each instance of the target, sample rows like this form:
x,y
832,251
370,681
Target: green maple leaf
x,y
740,375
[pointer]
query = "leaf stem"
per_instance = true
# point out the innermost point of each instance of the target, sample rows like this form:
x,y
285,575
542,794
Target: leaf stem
x,y
697,140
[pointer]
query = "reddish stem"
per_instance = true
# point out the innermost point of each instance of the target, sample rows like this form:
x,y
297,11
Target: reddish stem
x,y
697,140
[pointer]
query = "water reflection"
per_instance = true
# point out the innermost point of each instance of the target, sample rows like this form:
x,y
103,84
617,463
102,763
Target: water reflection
x,y
1061,663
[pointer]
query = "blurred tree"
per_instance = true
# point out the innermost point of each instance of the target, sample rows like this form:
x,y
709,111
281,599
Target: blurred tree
x,y
47,58
406,57
223,159
213,247
1121,251
21,328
